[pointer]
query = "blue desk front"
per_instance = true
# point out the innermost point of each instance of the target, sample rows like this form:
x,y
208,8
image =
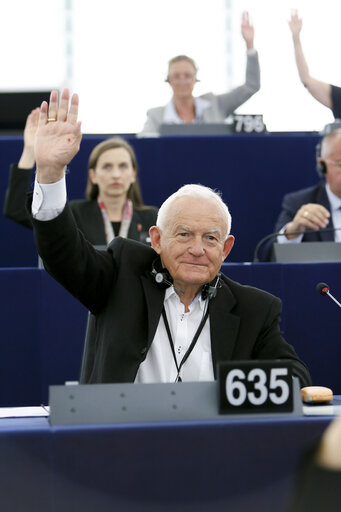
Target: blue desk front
x,y
237,465
43,326
252,171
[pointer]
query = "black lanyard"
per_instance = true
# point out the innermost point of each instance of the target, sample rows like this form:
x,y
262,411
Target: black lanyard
x,y
190,348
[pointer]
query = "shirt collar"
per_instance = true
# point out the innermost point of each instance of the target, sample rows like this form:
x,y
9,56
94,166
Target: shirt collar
x,y
173,296
170,115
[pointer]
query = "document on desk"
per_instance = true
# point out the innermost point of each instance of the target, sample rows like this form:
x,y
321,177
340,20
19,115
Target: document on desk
x,y
24,412
321,410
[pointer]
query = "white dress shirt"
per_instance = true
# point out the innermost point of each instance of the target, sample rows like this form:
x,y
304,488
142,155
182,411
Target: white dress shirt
x,y
170,114
159,365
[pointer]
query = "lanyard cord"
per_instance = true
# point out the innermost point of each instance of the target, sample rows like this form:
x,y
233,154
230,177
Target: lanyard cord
x,y
190,348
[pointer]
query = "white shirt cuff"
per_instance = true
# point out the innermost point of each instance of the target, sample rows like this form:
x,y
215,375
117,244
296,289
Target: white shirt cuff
x,y
48,199
284,240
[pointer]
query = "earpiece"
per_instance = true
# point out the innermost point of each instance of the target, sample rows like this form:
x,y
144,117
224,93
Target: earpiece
x,y
321,167
162,276
209,291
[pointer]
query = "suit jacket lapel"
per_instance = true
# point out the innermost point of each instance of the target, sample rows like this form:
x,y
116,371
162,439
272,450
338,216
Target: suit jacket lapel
x,y
224,325
154,297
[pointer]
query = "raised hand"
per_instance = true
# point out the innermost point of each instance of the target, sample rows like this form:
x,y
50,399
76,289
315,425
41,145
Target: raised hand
x,y
58,136
27,158
248,31
31,127
295,24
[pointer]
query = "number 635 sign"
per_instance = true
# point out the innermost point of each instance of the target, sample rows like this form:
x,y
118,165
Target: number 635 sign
x,y
255,387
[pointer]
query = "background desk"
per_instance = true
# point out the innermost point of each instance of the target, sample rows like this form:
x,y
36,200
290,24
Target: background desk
x,y
43,326
237,465
252,171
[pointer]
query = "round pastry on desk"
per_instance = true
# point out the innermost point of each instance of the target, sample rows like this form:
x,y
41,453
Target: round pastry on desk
x,y
316,395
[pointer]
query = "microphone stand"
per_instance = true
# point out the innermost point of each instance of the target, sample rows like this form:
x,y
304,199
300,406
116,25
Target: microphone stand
x,y
324,289
275,235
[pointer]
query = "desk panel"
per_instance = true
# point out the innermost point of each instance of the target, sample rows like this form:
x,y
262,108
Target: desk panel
x,y
239,465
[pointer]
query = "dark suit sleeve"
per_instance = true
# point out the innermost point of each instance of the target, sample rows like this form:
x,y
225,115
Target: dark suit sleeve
x,y
288,211
18,185
336,101
86,273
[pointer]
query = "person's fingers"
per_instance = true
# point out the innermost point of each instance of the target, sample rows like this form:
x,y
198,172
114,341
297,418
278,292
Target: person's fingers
x,y
49,112
64,105
73,111
314,216
53,106
43,113
311,223
35,115
245,17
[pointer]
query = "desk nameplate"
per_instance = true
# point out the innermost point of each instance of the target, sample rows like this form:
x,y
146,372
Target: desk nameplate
x,y
126,403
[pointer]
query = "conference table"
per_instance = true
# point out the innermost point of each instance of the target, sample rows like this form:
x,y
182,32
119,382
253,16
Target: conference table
x,y
232,464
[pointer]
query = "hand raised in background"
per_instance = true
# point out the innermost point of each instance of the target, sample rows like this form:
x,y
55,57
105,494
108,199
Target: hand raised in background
x,y
27,158
295,24
248,31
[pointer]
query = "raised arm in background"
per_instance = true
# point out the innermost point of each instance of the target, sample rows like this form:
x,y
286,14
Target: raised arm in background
x,y
20,175
321,91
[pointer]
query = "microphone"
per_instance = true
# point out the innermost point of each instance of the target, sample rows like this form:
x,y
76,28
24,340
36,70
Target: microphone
x,y
323,288
274,235
208,291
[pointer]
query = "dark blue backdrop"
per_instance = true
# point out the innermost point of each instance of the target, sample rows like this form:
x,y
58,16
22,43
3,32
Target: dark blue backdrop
x,y
252,171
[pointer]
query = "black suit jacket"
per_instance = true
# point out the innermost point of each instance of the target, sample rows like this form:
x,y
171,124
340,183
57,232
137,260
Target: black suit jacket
x,y
336,101
117,287
87,213
291,204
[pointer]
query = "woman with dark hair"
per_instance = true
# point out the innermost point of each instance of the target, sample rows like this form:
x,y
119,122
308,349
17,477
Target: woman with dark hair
x,y
114,205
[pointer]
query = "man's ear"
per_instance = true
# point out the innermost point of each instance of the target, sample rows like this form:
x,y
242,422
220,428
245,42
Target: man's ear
x,y
228,244
155,238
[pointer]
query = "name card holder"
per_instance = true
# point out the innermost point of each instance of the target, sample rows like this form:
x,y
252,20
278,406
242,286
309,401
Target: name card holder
x,y
126,403
249,387
250,123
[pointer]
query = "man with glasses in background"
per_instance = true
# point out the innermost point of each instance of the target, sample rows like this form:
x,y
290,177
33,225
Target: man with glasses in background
x,y
311,214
